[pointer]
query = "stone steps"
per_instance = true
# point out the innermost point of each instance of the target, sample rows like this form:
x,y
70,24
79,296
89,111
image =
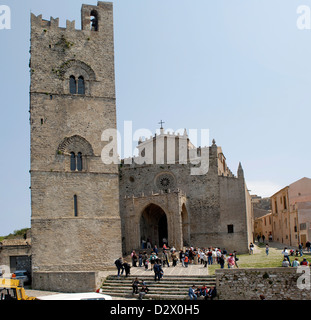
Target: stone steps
x,y
160,285
168,288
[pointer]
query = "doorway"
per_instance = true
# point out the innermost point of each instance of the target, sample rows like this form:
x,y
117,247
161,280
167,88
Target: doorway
x,y
153,226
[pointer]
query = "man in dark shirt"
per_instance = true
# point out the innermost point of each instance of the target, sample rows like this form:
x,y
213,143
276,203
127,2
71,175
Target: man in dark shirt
x,y
119,265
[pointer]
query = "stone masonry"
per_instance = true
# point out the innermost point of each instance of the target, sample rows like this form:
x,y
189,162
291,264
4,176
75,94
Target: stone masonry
x,y
249,284
75,212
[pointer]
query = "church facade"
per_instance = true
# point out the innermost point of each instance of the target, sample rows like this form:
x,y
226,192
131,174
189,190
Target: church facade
x,y
85,213
162,201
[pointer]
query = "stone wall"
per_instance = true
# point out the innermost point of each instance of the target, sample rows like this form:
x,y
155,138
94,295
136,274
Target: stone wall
x,y
249,284
68,282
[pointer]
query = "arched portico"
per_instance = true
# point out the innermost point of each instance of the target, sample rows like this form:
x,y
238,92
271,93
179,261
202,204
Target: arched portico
x,y
157,217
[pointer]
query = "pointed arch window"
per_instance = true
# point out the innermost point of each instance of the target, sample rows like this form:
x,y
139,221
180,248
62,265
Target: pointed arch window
x,y
73,85
81,85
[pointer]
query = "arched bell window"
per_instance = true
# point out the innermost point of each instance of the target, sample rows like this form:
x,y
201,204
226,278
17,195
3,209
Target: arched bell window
x,y
94,20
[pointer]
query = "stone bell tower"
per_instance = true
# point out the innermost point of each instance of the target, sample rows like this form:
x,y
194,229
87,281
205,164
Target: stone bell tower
x,y
74,196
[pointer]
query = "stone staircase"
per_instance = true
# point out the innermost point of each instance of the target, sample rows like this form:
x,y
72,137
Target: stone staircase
x,y
169,288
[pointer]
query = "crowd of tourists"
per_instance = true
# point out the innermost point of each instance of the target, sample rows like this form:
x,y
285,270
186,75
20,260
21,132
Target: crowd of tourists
x,y
171,257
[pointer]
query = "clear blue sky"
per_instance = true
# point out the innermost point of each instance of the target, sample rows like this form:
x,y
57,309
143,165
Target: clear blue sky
x,y
241,69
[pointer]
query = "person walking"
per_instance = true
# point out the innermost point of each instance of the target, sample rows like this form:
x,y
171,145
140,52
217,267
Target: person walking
x,y
210,257
156,250
222,261
191,256
231,261
140,259
251,248
145,259
182,257
186,261
235,259
152,259
134,259
267,249
300,247
214,255
205,260
166,259
157,270
175,258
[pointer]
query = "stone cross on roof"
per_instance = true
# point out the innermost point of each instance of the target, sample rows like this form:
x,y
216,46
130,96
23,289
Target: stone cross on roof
x,y
161,123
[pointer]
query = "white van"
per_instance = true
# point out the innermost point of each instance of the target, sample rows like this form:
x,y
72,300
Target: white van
x,y
76,296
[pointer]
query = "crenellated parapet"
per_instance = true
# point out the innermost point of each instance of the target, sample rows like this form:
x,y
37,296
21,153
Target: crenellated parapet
x,y
52,23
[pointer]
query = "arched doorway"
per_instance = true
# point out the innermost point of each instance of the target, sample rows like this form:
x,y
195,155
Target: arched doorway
x,y
153,225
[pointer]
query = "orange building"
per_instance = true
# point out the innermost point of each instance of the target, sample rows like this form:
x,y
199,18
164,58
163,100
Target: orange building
x,y
291,213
